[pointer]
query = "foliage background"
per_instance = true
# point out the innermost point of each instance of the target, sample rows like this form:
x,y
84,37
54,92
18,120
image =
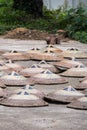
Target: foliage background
x,y
74,21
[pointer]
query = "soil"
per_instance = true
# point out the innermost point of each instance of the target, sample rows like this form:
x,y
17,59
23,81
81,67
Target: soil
x,y
24,33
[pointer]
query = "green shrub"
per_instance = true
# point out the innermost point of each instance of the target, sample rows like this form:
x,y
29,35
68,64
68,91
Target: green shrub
x,y
80,36
74,21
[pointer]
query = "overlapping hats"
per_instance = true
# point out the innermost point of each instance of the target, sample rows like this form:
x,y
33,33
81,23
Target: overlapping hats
x,y
23,98
14,79
32,53
65,95
15,55
52,48
82,85
67,64
31,90
14,66
47,56
74,53
80,71
47,77
80,103
48,66
34,69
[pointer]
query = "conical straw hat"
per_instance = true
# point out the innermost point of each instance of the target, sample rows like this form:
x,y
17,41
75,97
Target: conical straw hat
x,y
67,64
34,69
47,77
65,95
74,53
80,71
14,79
23,99
14,55
82,85
48,66
4,68
33,52
14,66
52,48
31,90
47,56
80,103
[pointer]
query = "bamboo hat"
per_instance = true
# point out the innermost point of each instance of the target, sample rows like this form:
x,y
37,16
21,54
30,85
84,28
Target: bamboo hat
x,y
52,48
34,69
67,64
47,77
14,55
74,53
4,68
33,52
23,99
31,90
82,85
14,79
65,95
80,71
80,103
48,66
47,56
14,66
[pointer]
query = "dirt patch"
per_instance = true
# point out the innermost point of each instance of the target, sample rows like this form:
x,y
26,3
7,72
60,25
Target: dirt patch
x,y
24,33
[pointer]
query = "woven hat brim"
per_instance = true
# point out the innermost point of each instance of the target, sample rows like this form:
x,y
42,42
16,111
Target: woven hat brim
x,y
74,74
23,103
46,57
17,57
15,82
52,69
27,74
78,105
65,65
49,81
61,98
81,86
78,55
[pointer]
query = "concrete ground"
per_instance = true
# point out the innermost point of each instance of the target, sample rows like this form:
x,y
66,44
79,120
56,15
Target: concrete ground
x,y
52,117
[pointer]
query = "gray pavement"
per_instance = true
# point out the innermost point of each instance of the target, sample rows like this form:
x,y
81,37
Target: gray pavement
x,y
52,117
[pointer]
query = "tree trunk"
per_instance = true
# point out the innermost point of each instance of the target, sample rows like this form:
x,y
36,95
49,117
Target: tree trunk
x,y
34,7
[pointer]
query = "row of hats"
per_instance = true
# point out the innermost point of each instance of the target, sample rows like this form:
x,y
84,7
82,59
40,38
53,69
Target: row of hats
x,y
28,96
48,53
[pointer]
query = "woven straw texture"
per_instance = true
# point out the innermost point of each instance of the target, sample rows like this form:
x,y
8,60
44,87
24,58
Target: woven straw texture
x,y
79,104
75,72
